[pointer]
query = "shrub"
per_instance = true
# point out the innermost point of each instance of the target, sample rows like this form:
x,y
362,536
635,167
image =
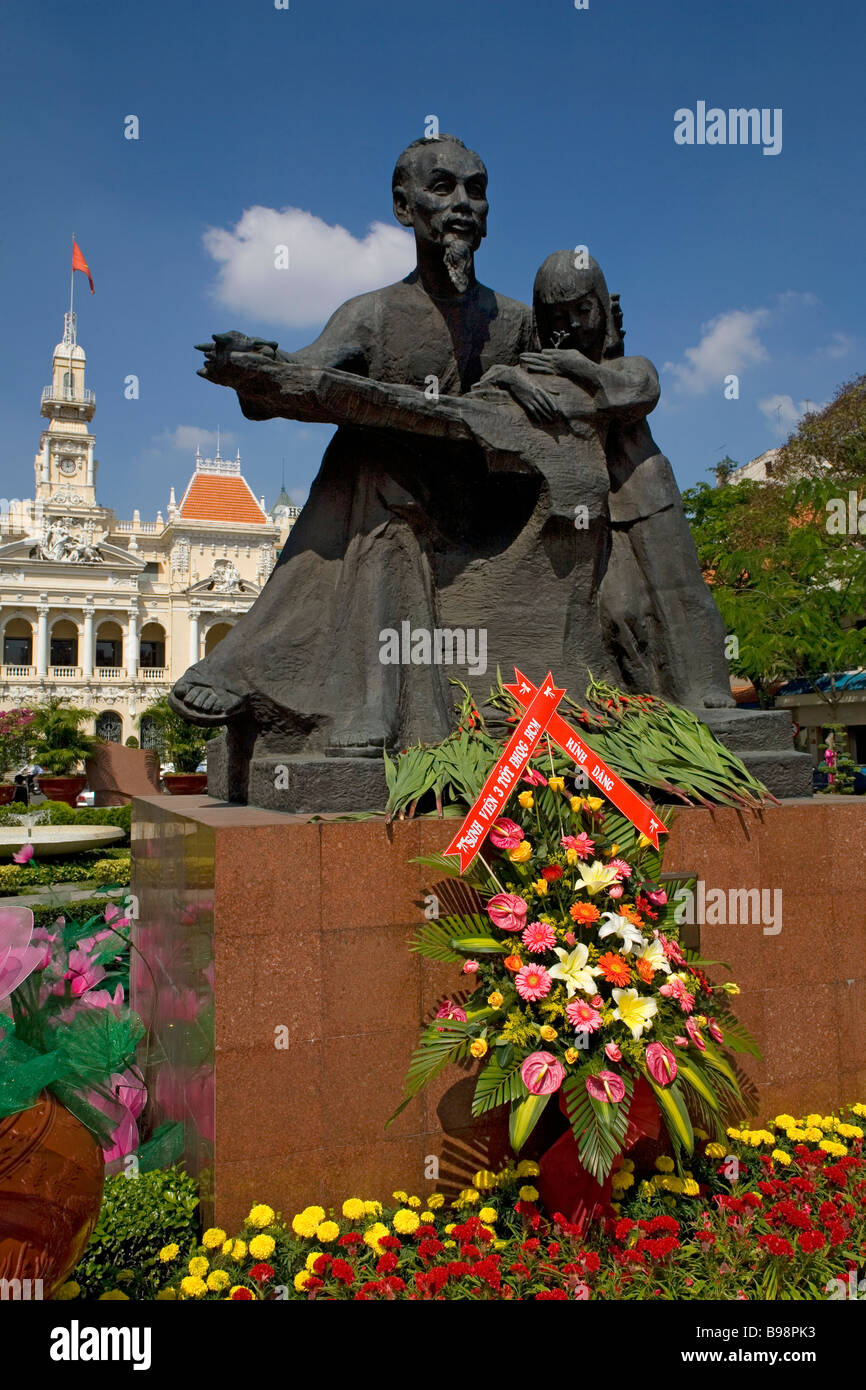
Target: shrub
x,y
58,813
139,1216
92,866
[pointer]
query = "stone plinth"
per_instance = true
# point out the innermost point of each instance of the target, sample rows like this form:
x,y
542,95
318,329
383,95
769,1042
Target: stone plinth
x,y
263,928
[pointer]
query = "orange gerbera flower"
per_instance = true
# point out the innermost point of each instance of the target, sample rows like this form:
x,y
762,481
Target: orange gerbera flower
x,y
584,913
630,914
513,963
614,968
645,970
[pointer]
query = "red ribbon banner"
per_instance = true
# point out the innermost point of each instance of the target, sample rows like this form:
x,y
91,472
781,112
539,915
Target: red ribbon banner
x,y
638,811
506,774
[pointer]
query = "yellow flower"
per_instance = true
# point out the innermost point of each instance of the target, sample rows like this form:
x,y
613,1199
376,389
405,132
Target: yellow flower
x,y
643,842
450,1227
664,1164
67,1291
556,784
527,800
528,1193
547,1033
831,1147
228,1247
814,1133
623,1180
353,1208
528,1168
478,1047
437,1200
779,1156
521,853
571,1056
609,853
400,1196
234,1289
261,1216
468,1197
218,1280
690,1188
261,1247
715,1151
849,1131
451,1244
593,803
239,1251
374,1234
734,1133
213,1237
796,1136
488,1215
647,1188
541,886
785,1122
300,1280
199,1265
168,1253
812,1120
405,1222
496,1000
730,987
700,1133
574,803
370,1209
191,1287
571,857
413,1201
328,1231
307,1221
311,1260
115,1296
427,1217
166,1295
859,1109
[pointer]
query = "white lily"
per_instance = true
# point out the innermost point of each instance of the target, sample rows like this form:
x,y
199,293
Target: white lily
x,y
596,876
621,926
654,953
572,970
634,1010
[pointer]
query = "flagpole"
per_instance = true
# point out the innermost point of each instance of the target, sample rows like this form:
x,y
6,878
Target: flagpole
x,y
71,317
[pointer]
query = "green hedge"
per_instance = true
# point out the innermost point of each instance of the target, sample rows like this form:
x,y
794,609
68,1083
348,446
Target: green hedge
x,y
46,914
92,866
139,1216
58,813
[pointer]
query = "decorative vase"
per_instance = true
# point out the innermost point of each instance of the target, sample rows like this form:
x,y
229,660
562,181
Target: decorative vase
x,y
51,1179
62,788
7,791
185,783
564,1184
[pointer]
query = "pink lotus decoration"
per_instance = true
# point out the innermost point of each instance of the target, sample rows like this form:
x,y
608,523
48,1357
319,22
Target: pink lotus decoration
x,y
542,1074
18,958
24,854
507,911
130,1095
606,1087
506,834
661,1063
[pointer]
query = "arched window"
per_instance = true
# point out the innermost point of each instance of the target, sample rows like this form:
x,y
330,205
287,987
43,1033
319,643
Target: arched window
x,y
215,635
109,726
64,643
152,650
109,645
18,643
68,385
150,735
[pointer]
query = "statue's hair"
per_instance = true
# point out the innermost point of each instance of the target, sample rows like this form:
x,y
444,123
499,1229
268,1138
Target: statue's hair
x,y
559,279
403,167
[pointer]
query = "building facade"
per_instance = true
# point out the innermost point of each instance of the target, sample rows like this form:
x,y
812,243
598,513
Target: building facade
x,y
109,613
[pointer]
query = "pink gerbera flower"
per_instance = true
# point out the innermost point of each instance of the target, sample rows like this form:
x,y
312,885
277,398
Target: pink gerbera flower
x,y
675,989
622,868
532,982
539,937
583,1017
670,948
506,834
582,843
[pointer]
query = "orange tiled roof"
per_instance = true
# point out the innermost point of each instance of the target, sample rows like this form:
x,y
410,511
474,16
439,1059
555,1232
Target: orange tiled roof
x,y
211,497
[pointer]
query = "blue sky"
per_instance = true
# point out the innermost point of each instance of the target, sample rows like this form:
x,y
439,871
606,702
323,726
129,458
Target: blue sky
x,y
727,260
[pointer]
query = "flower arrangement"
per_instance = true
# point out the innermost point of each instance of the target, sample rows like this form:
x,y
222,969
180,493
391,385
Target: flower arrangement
x,y
580,986
768,1213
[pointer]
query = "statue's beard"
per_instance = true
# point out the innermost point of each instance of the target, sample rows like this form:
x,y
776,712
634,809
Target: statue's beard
x,y
458,262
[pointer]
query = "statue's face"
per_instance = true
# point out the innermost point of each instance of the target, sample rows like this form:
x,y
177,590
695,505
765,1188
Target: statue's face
x,y
445,197
573,323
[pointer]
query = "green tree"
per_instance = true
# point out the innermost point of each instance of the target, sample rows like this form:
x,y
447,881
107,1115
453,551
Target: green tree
x,y
181,743
57,741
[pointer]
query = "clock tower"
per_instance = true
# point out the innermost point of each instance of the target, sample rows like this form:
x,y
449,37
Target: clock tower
x,y
65,466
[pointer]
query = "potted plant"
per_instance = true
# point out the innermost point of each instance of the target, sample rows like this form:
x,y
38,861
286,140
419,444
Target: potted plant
x,y
14,726
71,1093
60,746
183,745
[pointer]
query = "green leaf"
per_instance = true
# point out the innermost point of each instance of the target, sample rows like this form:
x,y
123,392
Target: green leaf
x,y
675,1114
496,1085
524,1116
691,1073
480,945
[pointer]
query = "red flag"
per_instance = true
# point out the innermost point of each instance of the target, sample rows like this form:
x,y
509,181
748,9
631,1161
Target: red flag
x,y
505,776
624,799
79,263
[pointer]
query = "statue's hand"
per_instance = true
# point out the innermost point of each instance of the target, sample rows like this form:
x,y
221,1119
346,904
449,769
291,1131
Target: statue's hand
x,y
225,346
567,362
538,404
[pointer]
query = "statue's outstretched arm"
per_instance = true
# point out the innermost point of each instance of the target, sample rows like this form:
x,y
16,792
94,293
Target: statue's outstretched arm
x,y
627,387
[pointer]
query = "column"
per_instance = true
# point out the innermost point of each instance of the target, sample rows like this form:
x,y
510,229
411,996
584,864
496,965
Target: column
x,y
90,463
87,654
194,616
132,644
42,641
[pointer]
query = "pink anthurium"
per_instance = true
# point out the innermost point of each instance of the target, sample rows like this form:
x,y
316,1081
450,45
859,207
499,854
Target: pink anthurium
x,y
542,1074
506,834
507,911
661,1063
606,1087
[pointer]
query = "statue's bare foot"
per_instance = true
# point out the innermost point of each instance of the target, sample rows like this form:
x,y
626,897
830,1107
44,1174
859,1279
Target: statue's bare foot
x,y
204,704
718,700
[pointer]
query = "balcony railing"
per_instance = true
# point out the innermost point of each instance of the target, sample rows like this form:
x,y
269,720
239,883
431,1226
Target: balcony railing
x,y
146,528
100,673
18,672
64,673
109,673
153,673
67,396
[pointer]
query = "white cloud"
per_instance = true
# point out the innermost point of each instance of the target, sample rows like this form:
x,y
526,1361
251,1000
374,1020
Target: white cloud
x,y
782,413
728,343
839,346
327,265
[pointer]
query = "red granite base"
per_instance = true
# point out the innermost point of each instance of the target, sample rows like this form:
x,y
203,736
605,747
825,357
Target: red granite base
x,y
261,928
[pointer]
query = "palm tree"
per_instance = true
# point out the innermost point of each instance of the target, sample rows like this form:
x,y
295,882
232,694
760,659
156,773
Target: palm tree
x,y
57,741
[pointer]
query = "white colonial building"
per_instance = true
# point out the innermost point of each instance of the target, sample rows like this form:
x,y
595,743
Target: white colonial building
x,y
110,613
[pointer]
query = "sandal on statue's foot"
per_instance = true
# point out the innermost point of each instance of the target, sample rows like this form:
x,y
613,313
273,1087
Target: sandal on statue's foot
x,y
202,704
